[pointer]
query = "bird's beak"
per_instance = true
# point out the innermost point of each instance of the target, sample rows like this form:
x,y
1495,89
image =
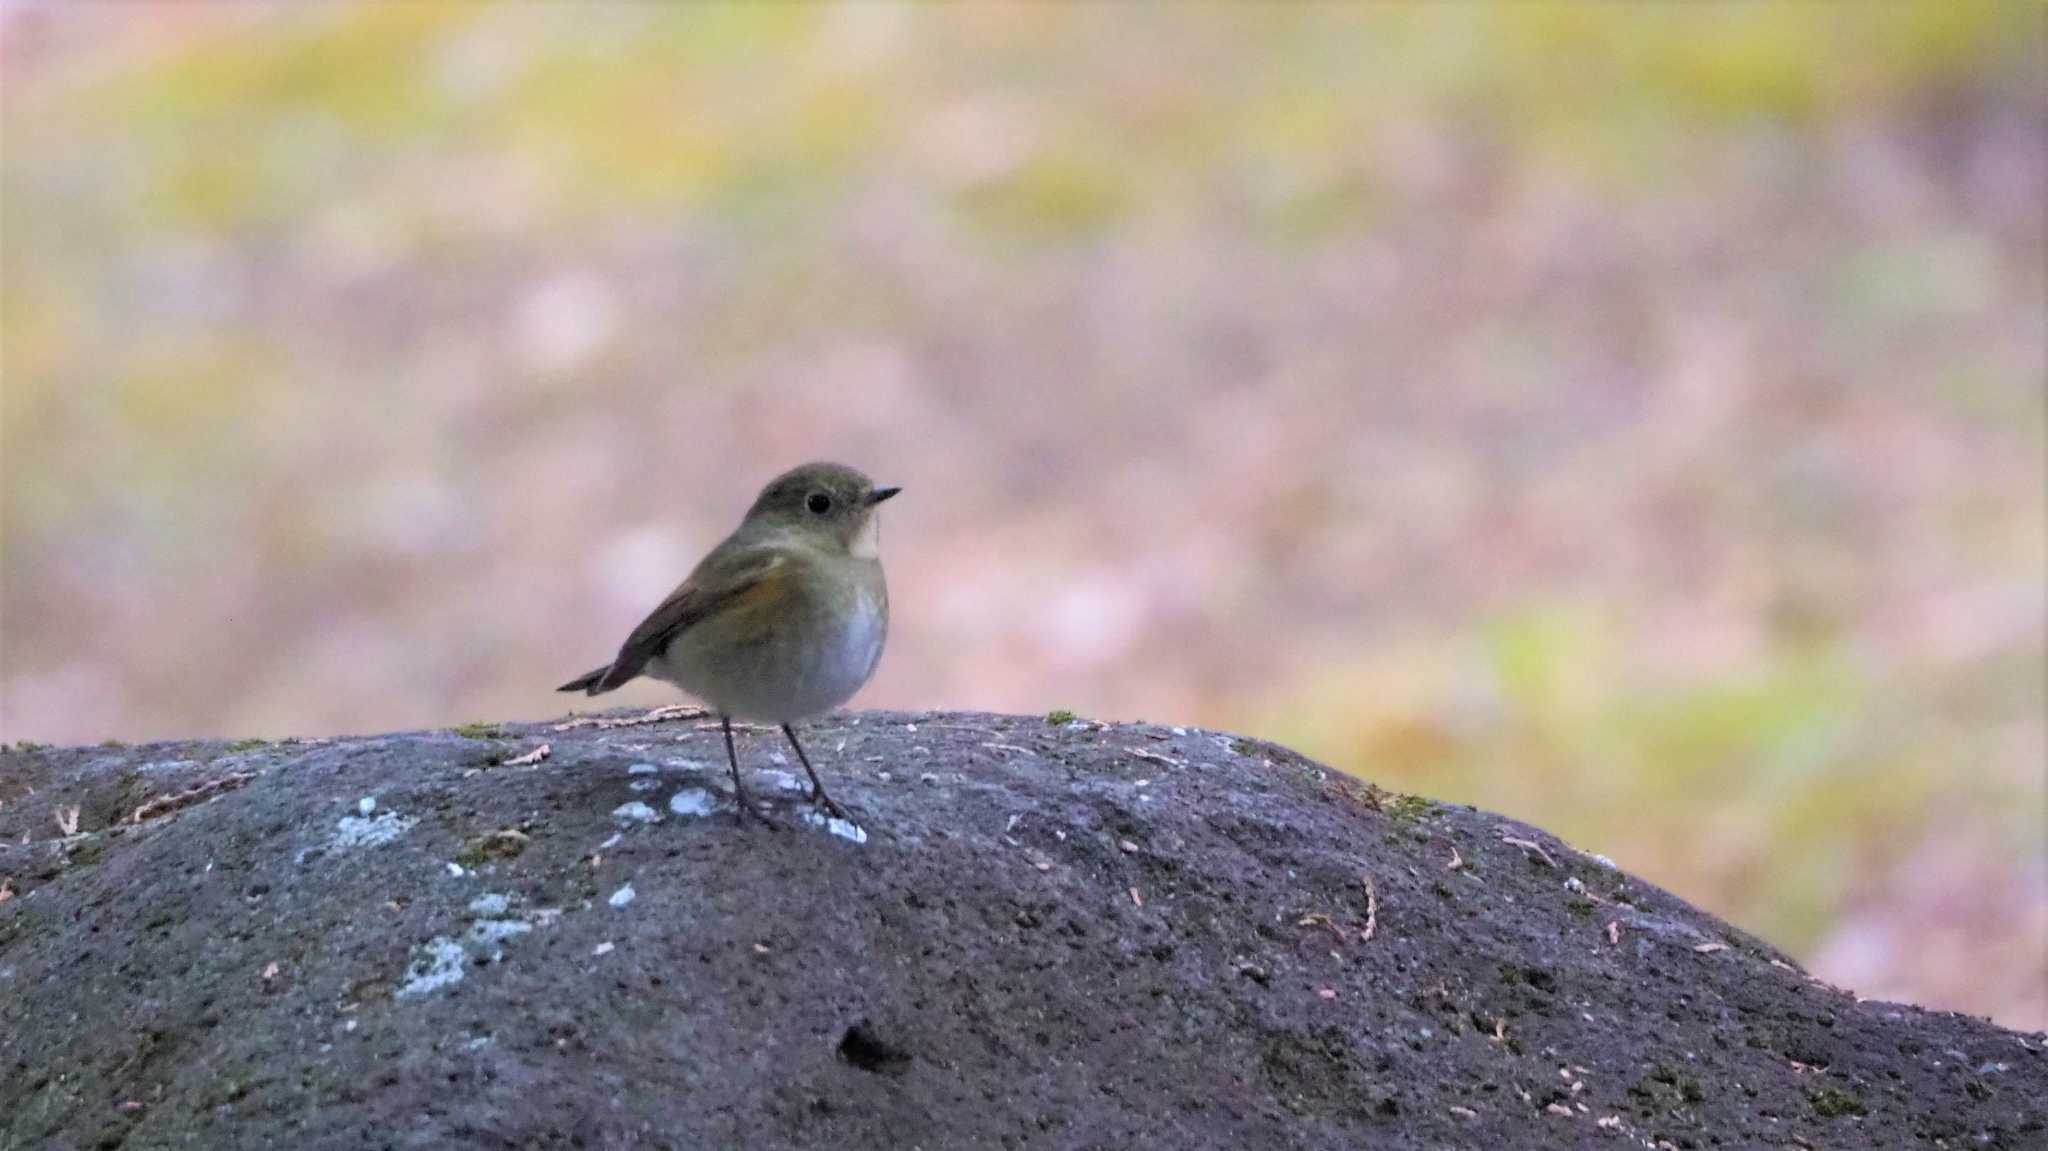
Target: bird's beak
x,y
880,494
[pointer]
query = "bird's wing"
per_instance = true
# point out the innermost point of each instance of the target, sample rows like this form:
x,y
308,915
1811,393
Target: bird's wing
x,y
721,583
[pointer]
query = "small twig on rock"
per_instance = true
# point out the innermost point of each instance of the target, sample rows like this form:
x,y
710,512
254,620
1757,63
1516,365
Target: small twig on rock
x,y
1372,911
602,723
1531,846
1321,920
531,757
165,804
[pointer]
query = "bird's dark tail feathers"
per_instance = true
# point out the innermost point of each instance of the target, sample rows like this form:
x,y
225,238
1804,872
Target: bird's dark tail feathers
x,y
590,682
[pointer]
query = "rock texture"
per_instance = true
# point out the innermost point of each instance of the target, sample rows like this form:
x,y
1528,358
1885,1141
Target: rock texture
x,y
1060,935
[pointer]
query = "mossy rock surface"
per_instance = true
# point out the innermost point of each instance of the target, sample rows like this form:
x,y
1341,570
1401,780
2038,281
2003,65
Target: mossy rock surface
x,y
1041,935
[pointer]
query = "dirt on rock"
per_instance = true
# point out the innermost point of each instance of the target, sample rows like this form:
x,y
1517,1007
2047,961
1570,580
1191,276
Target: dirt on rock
x,y
1058,935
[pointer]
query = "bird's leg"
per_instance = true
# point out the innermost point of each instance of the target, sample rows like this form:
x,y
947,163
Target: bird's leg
x,y
818,795
739,790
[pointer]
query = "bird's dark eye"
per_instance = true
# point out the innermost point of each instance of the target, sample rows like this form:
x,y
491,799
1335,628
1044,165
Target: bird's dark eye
x,y
819,503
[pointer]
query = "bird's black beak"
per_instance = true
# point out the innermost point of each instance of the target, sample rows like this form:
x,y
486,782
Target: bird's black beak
x,y
880,494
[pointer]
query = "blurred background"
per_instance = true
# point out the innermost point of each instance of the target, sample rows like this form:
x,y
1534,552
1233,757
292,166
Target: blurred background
x,y
1627,418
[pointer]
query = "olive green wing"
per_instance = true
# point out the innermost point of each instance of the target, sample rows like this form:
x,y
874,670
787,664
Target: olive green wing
x,y
723,582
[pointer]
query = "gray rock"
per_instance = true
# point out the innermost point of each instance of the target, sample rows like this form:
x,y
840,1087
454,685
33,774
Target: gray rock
x,y
1031,948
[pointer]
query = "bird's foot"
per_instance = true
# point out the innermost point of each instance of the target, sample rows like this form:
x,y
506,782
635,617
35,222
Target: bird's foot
x,y
829,804
747,807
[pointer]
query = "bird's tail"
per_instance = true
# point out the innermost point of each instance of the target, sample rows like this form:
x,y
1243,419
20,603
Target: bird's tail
x,y
590,682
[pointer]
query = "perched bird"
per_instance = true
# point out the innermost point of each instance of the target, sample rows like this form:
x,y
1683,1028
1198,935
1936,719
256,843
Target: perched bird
x,y
782,621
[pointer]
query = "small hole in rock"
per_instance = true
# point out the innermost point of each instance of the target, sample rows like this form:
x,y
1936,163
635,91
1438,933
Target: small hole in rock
x,y
870,1052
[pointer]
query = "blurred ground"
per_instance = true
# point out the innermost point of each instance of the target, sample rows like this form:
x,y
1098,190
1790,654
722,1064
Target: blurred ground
x,y
1629,419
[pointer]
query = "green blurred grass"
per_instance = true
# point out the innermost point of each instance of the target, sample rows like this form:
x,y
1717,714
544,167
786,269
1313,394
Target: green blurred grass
x,y
1772,793
651,107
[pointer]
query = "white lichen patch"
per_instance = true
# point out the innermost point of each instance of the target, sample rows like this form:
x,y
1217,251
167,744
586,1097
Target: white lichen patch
x,y
837,826
441,961
491,932
691,801
644,784
687,764
781,780
435,965
353,831
622,896
642,769
635,812
367,805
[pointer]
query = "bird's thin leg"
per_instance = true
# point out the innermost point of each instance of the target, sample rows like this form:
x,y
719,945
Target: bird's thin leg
x,y
818,795
739,790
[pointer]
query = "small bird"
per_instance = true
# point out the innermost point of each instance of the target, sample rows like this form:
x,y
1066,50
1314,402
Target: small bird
x,y
782,621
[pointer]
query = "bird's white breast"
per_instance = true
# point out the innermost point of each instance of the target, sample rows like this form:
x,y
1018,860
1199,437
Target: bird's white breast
x,y
860,647
834,668
816,660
